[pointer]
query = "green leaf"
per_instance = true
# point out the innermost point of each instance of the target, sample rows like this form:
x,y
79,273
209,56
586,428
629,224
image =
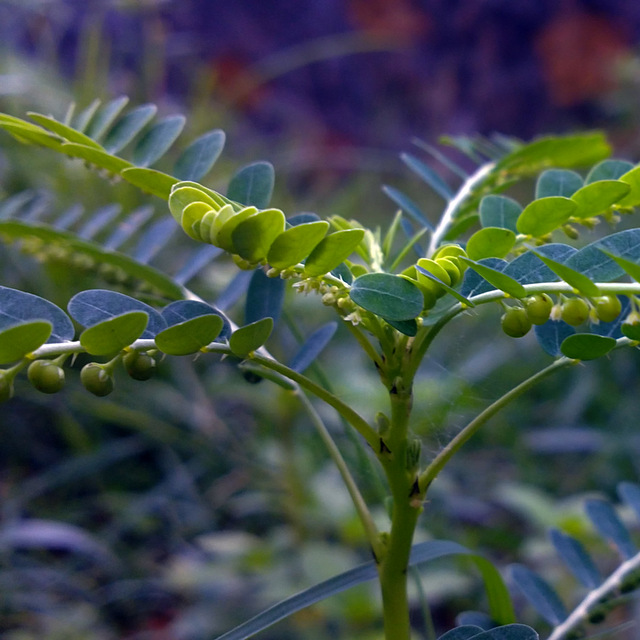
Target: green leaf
x,y
609,525
596,197
388,296
265,297
632,178
407,327
18,306
464,632
545,215
225,224
527,268
198,158
62,130
499,600
182,196
408,206
32,134
586,346
558,182
296,243
427,174
21,339
97,157
253,185
509,632
332,250
95,254
182,310
313,347
552,334
81,120
539,594
113,335
128,127
496,278
499,211
457,295
189,336
608,170
630,268
572,277
253,237
97,305
149,180
105,117
252,336
156,142
490,242
576,559
563,151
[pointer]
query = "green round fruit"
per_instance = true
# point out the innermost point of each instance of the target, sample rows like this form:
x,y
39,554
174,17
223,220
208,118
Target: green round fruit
x,y
6,387
575,311
96,380
608,308
515,322
139,365
538,307
46,376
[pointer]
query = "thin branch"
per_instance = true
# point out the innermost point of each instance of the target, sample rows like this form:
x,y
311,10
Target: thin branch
x,y
438,463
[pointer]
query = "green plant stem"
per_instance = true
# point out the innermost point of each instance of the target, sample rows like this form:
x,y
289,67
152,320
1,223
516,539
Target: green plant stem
x,y
438,463
364,514
393,565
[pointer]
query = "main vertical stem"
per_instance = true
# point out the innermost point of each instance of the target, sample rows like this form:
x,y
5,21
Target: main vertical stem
x,y
393,566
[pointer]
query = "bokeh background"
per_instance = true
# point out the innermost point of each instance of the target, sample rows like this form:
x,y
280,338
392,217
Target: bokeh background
x,y
177,508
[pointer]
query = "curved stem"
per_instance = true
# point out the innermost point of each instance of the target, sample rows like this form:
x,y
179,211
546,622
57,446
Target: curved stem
x,y
438,463
364,514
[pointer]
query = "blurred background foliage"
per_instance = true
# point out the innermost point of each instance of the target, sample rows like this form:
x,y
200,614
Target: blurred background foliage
x,y
177,508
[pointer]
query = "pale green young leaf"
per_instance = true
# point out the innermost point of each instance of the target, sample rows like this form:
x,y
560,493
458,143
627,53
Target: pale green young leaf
x,y
149,180
496,278
296,243
111,336
596,197
64,131
632,178
253,237
490,242
252,336
572,277
21,339
182,196
332,250
545,215
189,336
587,346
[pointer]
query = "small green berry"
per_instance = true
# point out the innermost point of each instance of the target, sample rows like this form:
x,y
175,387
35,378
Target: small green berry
x,y
608,308
538,307
575,311
46,376
515,322
96,380
139,365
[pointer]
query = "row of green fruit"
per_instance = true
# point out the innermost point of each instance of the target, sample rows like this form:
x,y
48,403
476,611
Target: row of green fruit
x,y
517,321
48,376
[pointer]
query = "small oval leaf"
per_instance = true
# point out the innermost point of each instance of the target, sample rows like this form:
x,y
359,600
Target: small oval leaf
x,y
499,211
19,340
253,185
113,335
498,279
490,242
296,243
313,346
250,337
388,296
155,142
332,250
558,182
586,346
253,237
125,129
198,158
545,215
597,197
189,336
